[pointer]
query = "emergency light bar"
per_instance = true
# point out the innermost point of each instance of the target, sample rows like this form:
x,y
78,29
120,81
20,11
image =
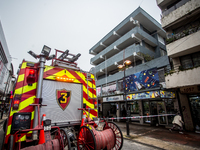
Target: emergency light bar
x,y
65,79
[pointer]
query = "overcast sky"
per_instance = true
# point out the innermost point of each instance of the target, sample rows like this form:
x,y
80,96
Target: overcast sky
x,y
76,25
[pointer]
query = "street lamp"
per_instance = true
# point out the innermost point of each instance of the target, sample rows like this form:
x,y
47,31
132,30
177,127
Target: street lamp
x,y
126,63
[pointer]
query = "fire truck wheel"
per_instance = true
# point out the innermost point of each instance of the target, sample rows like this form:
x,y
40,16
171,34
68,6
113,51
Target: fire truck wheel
x,y
118,134
10,142
66,140
86,139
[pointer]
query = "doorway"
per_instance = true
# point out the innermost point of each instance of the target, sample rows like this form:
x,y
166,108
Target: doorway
x,y
161,109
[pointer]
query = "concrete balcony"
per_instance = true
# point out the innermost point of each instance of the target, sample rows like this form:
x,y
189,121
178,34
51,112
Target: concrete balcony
x,y
180,12
183,78
158,62
184,46
113,62
133,36
163,3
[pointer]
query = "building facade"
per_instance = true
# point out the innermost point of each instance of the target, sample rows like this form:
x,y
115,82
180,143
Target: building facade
x,y
6,68
140,39
181,21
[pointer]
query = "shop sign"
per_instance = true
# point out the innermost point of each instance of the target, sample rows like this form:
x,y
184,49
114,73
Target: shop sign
x,y
167,94
108,90
98,91
113,98
144,95
190,89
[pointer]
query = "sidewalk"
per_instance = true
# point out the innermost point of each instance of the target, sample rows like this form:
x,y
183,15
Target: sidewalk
x,y
3,119
160,137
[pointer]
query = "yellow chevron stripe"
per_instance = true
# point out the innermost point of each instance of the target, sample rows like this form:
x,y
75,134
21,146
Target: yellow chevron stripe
x,y
47,68
89,93
23,138
23,104
29,88
89,104
26,88
21,77
23,65
18,91
81,75
92,76
91,116
8,130
32,115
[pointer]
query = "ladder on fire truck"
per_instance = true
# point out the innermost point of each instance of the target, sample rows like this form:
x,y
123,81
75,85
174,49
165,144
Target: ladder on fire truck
x,y
66,59
92,96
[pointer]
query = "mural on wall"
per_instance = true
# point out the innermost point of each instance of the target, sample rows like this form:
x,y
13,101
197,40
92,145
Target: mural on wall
x,y
142,80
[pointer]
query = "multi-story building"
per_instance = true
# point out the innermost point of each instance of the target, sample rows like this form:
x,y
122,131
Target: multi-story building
x,y
139,38
181,21
6,68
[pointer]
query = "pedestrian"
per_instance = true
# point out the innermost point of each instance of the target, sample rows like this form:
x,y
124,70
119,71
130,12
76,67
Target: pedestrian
x,y
123,111
177,123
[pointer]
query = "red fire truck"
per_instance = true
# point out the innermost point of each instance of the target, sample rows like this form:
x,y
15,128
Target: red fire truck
x,y
62,92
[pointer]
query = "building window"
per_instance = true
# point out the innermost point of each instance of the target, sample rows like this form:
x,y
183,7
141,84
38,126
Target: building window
x,y
161,40
149,47
161,75
190,61
2,55
163,52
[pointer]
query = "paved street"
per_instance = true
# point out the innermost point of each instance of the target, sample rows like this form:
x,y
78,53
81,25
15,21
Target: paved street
x,y
133,145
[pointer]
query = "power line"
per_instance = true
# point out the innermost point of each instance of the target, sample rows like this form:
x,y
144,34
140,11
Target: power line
x,y
140,3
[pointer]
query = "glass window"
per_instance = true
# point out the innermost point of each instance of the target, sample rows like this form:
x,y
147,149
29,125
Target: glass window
x,y
146,112
196,59
134,107
170,109
186,62
190,61
195,106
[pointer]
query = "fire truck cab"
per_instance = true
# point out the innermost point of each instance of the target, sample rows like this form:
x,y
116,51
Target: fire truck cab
x,y
57,91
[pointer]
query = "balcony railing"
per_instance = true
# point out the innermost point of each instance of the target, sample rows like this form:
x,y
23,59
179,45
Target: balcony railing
x,y
179,4
190,30
178,68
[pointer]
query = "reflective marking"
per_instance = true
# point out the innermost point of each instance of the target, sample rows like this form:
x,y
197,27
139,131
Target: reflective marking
x,y
21,77
91,116
23,65
89,104
47,68
19,90
8,130
23,138
29,88
23,104
32,115
89,93
26,88
84,79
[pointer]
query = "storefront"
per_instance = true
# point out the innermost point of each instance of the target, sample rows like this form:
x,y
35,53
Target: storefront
x,y
191,95
152,103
